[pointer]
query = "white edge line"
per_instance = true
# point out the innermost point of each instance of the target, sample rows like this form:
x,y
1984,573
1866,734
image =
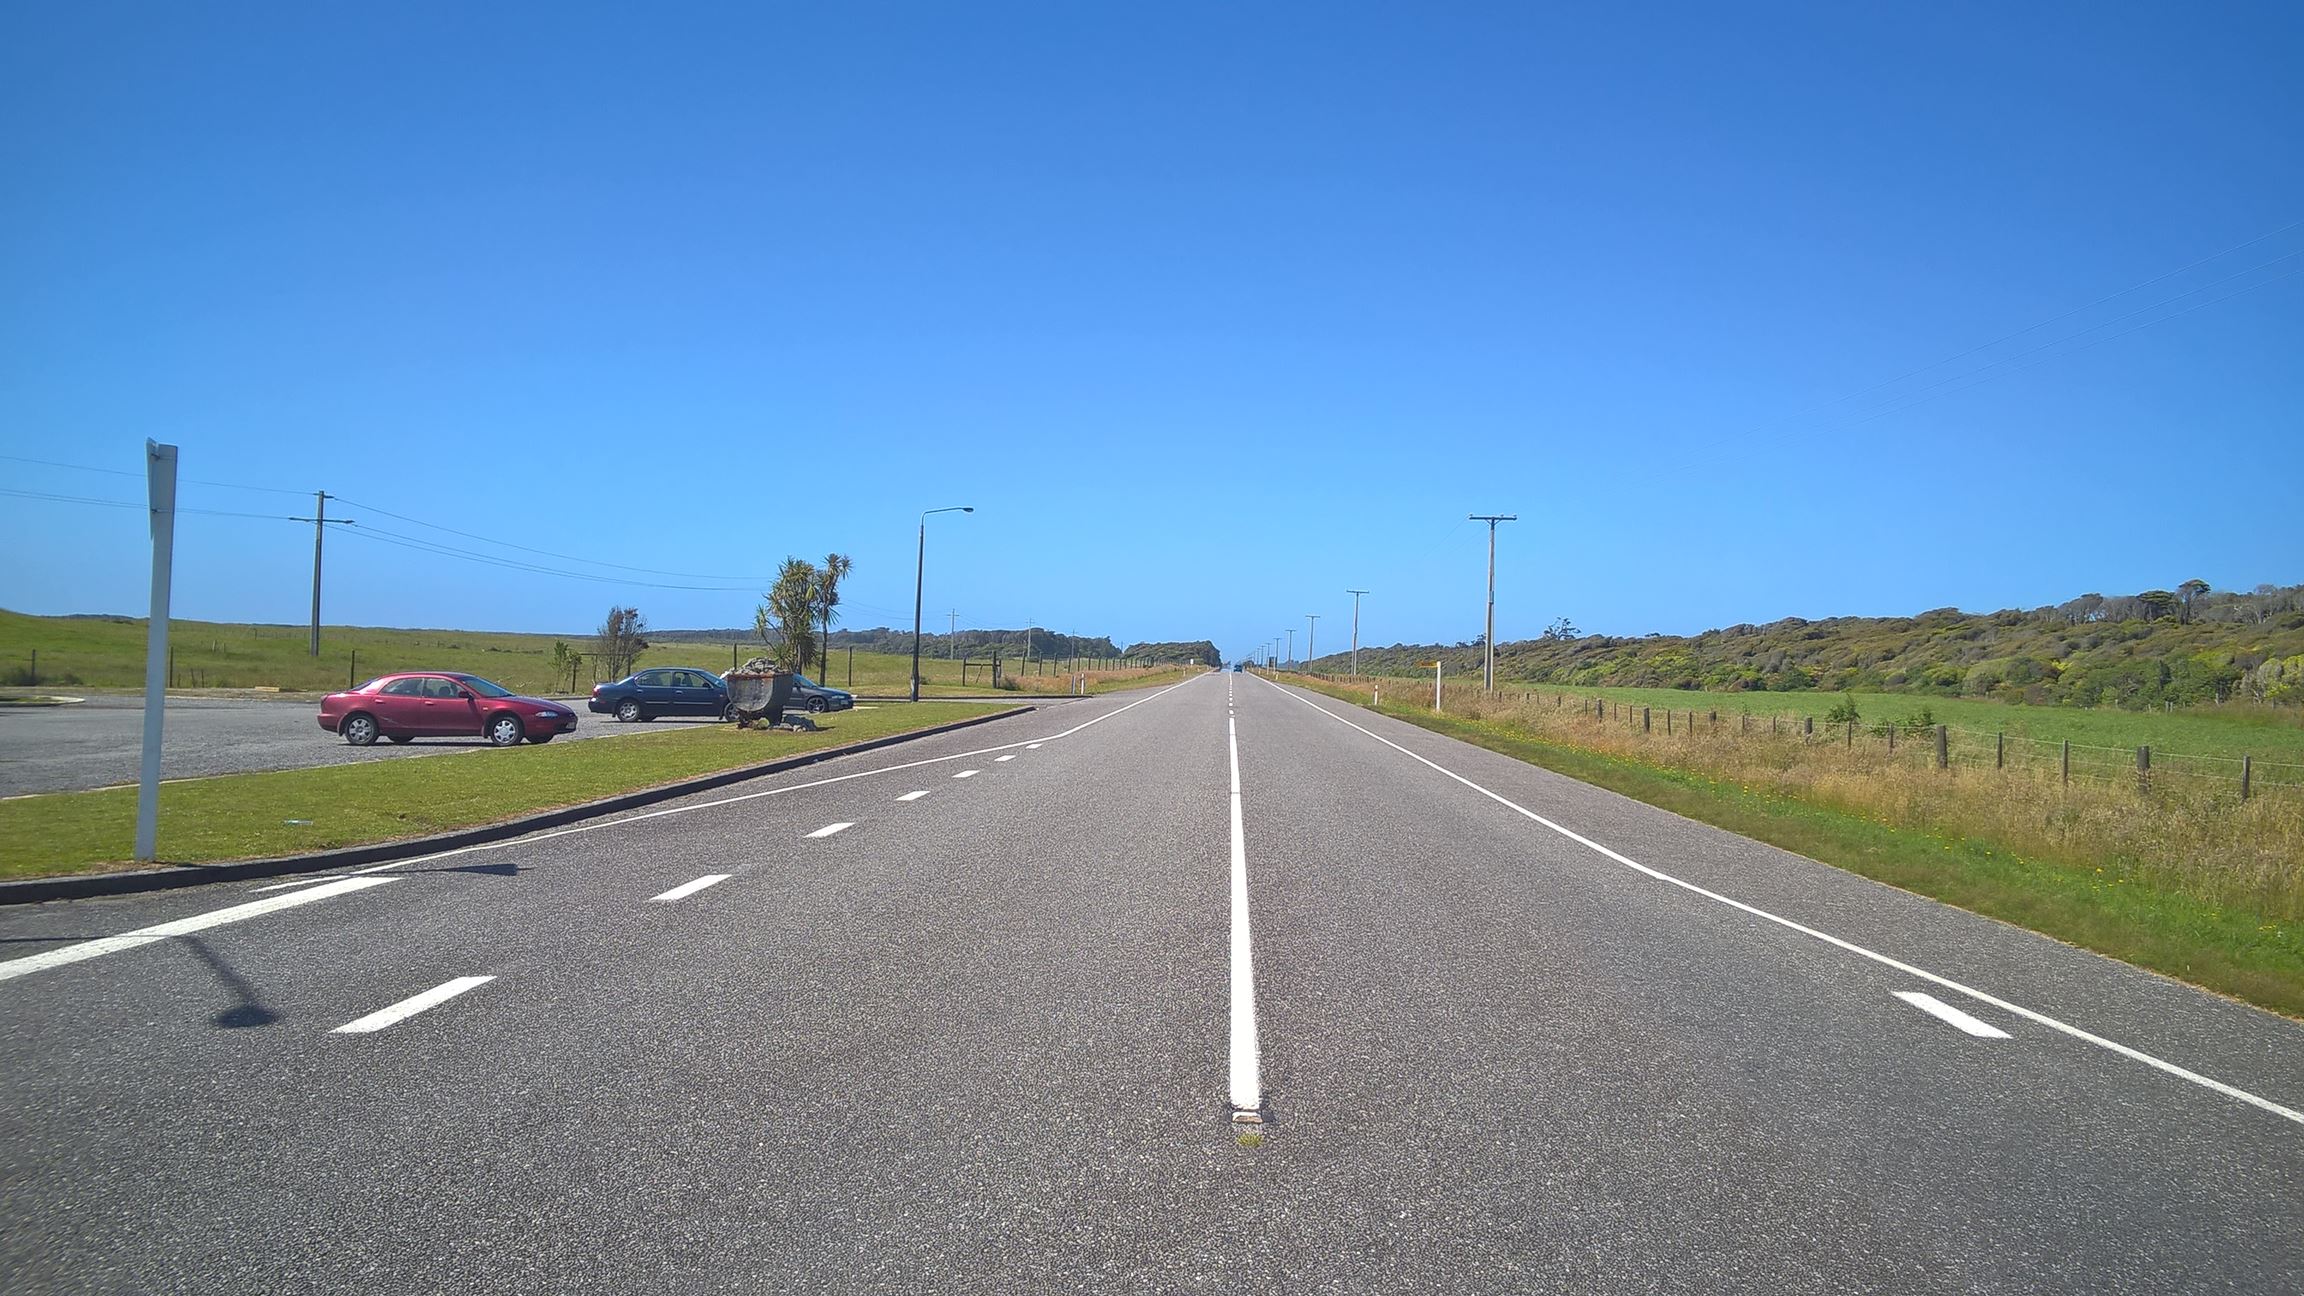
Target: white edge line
x,y
180,927
410,1006
829,829
1246,1080
1945,1012
2043,1019
687,889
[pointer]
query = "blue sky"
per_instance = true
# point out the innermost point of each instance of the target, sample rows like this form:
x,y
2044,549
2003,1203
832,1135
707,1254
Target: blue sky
x,y
1211,311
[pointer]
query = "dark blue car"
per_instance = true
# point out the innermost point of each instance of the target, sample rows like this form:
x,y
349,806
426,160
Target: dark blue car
x,y
664,691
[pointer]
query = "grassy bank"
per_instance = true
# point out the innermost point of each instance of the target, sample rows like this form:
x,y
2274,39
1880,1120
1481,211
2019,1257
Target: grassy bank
x,y
243,816
2190,883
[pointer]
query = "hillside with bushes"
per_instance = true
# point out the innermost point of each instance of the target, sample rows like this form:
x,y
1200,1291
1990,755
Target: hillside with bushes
x,y
2181,647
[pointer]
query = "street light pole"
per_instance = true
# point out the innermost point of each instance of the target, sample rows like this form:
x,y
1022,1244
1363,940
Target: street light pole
x,y
1355,630
1488,673
919,583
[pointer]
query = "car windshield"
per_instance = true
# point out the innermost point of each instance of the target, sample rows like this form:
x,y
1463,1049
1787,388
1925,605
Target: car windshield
x,y
485,688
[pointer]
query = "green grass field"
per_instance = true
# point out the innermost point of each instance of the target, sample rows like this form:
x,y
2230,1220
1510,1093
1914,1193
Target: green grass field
x,y
94,653
244,816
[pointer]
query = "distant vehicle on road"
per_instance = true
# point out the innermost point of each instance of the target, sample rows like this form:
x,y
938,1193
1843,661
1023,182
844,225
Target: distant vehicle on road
x,y
663,691
408,706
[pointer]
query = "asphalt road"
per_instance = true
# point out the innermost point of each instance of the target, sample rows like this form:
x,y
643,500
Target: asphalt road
x,y
1506,1032
100,742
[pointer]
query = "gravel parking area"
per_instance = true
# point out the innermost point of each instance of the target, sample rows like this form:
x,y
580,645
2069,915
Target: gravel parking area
x,y
98,743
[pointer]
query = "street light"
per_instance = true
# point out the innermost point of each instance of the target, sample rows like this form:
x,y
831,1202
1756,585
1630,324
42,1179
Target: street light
x,y
1355,630
919,580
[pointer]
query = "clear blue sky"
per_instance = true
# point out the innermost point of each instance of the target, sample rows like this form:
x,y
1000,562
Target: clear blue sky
x,y
1212,311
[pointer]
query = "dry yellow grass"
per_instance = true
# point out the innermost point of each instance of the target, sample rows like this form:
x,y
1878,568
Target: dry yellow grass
x,y
2185,836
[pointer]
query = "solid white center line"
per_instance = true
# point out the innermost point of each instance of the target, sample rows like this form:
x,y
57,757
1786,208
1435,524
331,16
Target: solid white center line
x,y
913,796
829,829
181,927
967,773
1943,1011
411,1006
1936,979
1009,757
687,889
1247,1083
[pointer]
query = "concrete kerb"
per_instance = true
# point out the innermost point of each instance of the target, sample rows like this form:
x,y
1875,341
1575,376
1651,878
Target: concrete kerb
x,y
80,886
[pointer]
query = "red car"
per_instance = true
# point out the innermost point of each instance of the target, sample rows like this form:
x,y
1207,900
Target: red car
x,y
444,705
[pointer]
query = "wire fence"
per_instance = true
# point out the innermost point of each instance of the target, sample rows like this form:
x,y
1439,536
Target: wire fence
x,y
1944,746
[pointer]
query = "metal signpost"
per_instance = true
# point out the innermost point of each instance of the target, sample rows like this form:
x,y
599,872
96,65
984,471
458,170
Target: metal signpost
x,y
160,481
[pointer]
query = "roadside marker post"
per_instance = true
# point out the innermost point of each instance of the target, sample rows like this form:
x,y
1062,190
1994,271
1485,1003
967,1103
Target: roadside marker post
x,y
160,483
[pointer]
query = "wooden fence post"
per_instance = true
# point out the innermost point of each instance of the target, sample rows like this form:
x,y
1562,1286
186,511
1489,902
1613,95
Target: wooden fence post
x,y
2067,761
2247,764
1943,749
1851,734
1999,751
1891,740
1644,725
2144,767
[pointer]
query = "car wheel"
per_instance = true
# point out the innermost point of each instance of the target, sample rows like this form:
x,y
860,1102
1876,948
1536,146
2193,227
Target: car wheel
x,y
819,705
628,711
359,730
728,712
506,731
403,738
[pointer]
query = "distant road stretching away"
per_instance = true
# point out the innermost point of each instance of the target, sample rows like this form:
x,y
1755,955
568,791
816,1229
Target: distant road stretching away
x,y
976,1013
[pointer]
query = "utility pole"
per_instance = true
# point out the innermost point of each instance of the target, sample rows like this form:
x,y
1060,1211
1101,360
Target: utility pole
x,y
1313,618
320,523
1355,630
1291,645
1488,674
952,633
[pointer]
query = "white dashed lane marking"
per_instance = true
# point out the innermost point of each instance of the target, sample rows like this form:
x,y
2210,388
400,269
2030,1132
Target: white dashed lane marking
x,y
967,773
913,796
1945,1012
411,1006
829,829
687,889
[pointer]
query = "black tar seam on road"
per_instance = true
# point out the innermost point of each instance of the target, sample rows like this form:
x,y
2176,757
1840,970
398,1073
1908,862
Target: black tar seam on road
x,y
39,890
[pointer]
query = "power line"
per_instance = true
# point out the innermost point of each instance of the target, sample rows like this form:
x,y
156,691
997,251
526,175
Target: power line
x,y
547,553
421,545
122,472
135,504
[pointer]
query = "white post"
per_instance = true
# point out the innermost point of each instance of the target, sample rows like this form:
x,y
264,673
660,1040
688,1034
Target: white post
x,y
1435,688
160,480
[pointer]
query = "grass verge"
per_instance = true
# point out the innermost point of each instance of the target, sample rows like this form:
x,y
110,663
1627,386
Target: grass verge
x,y
252,816
2226,948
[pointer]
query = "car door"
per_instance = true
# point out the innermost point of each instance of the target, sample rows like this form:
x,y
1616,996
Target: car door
x,y
399,707
448,710
696,695
655,691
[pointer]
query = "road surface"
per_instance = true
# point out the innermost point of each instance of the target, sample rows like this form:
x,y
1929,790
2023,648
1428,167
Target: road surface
x,y
975,1014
